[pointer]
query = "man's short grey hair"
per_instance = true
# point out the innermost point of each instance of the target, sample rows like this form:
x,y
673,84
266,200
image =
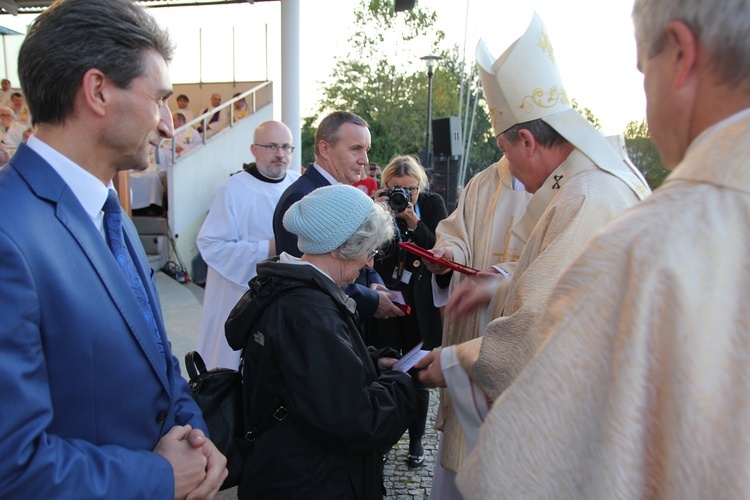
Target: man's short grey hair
x,y
543,133
328,130
373,233
722,26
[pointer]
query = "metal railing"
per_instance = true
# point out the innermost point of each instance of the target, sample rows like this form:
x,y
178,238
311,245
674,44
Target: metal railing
x,y
250,96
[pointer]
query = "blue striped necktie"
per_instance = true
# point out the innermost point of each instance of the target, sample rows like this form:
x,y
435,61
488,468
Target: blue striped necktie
x,y
113,229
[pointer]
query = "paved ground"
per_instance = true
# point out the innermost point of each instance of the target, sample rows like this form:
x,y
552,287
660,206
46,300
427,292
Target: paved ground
x,y
401,482
182,305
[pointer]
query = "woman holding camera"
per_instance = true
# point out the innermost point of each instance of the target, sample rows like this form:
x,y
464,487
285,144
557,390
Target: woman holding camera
x,y
320,408
417,213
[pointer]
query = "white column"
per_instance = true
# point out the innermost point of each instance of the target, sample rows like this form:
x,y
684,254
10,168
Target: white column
x,y
291,114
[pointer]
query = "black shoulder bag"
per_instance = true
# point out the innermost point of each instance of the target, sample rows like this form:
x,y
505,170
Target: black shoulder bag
x,y
218,393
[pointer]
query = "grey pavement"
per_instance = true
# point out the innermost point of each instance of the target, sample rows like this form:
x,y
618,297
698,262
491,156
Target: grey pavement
x,y
182,305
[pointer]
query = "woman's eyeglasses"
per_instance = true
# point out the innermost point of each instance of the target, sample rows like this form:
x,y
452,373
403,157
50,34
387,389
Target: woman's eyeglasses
x,y
412,189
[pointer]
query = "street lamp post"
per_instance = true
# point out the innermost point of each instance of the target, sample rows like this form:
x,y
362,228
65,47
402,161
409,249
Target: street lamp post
x,y
431,60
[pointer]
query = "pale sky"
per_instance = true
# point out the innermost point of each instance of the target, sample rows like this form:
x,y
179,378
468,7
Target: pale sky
x,y
593,41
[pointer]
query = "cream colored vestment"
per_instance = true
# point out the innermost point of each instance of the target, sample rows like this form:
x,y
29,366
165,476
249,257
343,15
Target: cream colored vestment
x,y
488,201
640,389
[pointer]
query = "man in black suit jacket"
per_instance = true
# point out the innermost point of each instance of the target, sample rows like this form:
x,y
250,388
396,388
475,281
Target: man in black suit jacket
x,y
341,144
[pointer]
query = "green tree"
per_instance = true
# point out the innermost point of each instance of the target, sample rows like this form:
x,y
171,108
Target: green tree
x,y
643,153
587,113
307,134
383,89
391,92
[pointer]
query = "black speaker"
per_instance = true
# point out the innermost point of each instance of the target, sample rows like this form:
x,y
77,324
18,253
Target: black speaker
x,y
402,5
447,139
444,180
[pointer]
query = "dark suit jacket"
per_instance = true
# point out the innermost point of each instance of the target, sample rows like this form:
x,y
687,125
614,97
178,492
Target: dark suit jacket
x,y
366,299
83,388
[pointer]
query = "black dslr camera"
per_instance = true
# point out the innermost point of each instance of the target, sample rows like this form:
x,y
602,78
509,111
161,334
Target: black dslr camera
x,y
398,198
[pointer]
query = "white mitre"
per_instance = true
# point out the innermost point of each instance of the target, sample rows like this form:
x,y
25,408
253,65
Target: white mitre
x,y
524,84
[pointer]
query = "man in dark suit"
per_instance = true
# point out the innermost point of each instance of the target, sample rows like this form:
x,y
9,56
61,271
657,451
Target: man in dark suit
x,y
93,402
341,144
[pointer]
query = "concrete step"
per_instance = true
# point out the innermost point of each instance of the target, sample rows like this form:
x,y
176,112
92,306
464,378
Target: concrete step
x,y
151,225
157,249
154,244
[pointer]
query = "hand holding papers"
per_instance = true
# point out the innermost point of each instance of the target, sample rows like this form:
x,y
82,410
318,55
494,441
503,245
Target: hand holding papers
x,y
410,358
398,300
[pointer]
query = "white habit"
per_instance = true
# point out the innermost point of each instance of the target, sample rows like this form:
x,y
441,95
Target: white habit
x,y
233,239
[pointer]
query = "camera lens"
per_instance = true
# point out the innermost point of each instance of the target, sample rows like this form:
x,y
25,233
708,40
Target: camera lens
x,y
398,199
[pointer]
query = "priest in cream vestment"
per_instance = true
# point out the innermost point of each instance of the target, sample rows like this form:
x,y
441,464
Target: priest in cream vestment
x,y
642,386
477,234
579,183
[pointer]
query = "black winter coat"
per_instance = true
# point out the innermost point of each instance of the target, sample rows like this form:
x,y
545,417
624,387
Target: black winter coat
x,y
424,322
303,351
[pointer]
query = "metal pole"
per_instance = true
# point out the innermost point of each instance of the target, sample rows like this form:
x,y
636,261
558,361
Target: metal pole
x,y
291,107
427,149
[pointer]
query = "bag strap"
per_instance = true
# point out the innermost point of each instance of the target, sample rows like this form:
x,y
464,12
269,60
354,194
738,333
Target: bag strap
x,y
195,365
280,414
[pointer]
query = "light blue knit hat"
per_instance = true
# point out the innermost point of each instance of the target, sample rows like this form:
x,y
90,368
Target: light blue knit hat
x,y
327,217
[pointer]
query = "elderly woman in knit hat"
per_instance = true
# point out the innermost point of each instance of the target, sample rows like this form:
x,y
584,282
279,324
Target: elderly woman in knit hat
x,y
320,406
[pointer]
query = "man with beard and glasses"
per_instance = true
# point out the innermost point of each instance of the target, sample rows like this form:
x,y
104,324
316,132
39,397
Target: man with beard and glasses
x,y
238,233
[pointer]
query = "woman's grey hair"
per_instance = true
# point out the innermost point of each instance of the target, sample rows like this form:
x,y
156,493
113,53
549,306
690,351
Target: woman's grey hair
x,y
373,233
74,36
721,26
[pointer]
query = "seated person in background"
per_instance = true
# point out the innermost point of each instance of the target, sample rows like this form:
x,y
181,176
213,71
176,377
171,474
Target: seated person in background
x,y
20,110
184,140
182,107
5,92
416,220
323,407
241,109
11,131
219,120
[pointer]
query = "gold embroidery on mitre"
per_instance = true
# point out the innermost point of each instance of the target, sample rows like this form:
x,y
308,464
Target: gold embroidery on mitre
x,y
546,45
544,99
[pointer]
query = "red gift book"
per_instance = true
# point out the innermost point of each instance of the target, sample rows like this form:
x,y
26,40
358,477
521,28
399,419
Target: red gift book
x,y
429,257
